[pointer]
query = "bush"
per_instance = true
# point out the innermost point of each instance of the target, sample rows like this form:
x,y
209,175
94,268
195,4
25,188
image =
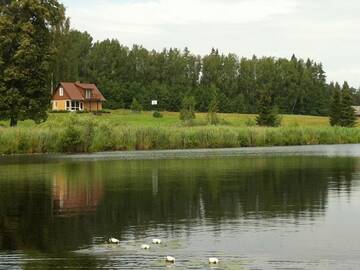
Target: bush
x,y
250,122
157,114
187,113
212,117
59,111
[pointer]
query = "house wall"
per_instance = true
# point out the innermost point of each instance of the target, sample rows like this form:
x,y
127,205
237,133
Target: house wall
x,y
93,105
58,105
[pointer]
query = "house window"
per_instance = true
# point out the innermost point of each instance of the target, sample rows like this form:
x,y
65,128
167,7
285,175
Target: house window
x,y
61,92
68,105
75,105
88,94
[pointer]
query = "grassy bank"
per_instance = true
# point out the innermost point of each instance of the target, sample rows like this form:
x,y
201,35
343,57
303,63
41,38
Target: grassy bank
x,y
87,133
171,119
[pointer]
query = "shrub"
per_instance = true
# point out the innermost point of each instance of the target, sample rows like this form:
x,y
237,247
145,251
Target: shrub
x,y
187,113
63,111
157,114
212,117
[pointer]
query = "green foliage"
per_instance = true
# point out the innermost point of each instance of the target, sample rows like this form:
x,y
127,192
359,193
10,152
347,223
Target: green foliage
x,y
26,53
297,86
187,113
157,114
136,106
212,116
56,112
347,113
87,136
268,115
250,122
342,113
335,110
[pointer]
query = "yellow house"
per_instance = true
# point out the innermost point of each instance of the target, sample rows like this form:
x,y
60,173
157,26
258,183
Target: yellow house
x,y
77,97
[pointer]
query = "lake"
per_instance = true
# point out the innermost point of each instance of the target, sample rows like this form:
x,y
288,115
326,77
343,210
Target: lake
x,y
274,208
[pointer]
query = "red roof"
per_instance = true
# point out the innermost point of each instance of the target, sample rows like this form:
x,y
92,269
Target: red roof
x,y
77,91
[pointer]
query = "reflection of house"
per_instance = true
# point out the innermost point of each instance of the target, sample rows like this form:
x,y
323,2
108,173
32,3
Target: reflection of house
x,y
73,196
77,97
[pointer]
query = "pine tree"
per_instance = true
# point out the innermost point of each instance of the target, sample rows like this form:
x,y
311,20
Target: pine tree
x,y
267,112
347,113
335,109
187,113
136,106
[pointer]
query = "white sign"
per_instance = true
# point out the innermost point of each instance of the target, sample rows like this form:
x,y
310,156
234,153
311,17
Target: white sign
x,y
154,102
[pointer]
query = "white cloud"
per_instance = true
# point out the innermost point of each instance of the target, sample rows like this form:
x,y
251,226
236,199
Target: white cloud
x,y
140,16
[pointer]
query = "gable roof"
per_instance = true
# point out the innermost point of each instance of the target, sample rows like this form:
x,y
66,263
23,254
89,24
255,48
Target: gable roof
x,y
76,91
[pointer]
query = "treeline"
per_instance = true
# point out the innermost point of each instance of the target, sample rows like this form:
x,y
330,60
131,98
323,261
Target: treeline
x,y
296,86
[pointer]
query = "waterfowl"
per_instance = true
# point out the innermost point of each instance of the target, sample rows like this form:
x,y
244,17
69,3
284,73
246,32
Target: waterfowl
x,y
113,241
156,241
170,259
145,246
214,261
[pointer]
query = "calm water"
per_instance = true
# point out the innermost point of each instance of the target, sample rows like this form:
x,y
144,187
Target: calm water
x,y
269,210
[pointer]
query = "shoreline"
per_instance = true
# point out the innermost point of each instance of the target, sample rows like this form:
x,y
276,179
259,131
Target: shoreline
x,y
325,150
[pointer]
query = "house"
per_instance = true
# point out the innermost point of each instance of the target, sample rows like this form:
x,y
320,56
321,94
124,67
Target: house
x,y
357,110
76,97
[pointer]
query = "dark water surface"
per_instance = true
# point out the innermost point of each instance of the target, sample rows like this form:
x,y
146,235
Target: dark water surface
x,y
263,209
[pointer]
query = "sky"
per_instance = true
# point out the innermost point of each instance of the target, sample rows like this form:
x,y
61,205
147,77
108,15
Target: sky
x,y
326,31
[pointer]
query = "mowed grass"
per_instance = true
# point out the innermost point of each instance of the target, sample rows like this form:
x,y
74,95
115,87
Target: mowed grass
x,y
171,119
123,130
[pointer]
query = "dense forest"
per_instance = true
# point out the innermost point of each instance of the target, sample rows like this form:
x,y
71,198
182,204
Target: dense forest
x,y
55,52
296,86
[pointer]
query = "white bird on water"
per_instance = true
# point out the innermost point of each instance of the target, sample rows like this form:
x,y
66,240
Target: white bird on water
x,y
156,241
113,241
145,246
214,261
170,259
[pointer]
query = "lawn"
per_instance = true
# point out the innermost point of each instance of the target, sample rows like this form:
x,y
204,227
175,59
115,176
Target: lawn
x,y
171,119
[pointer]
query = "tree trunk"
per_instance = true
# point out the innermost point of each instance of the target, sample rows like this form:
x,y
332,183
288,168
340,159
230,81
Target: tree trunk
x,y
13,121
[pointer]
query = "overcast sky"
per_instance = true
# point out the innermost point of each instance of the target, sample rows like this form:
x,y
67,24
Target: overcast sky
x,y
324,30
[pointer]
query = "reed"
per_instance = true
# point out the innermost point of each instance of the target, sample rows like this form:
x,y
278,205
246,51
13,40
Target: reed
x,y
83,134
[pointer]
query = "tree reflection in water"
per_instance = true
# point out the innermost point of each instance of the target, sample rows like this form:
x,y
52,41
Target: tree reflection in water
x,y
54,208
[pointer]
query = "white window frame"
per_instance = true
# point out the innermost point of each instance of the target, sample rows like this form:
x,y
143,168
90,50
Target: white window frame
x,y
75,105
88,93
61,92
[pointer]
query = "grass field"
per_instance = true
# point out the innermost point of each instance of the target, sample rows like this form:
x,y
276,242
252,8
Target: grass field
x,y
127,118
123,130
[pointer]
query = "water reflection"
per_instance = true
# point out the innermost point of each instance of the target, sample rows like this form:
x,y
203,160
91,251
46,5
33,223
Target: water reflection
x,y
60,207
76,191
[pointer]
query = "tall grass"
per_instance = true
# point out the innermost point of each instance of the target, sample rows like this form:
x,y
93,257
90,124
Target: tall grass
x,y
83,134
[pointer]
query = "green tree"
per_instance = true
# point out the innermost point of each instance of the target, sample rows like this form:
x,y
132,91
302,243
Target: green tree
x,y
213,109
335,110
267,112
187,113
136,106
26,52
347,113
